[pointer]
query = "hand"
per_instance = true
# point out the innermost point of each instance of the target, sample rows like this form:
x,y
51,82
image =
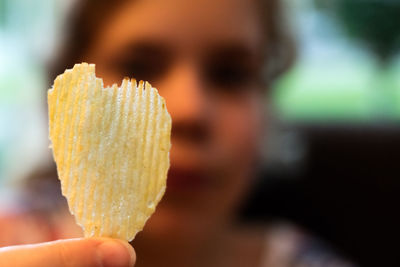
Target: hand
x,y
80,252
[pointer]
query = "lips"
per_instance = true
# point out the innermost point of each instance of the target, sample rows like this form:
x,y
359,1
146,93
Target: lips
x,y
187,180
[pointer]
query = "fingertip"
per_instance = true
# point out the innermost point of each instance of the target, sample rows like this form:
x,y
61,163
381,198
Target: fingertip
x,y
131,251
115,252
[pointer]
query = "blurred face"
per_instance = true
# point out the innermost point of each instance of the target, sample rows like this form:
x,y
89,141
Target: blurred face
x,y
204,57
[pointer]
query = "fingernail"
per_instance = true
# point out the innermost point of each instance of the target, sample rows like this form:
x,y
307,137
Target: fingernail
x,y
116,253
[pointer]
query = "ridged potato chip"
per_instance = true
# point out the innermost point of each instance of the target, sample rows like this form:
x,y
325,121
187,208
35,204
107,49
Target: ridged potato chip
x,y
111,146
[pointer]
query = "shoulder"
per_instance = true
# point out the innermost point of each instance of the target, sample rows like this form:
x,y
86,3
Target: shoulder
x,y
23,224
23,228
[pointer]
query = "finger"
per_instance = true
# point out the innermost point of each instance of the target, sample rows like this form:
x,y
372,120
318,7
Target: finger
x,y
92,252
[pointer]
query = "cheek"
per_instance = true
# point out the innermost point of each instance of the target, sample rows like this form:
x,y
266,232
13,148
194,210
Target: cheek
x,y
238,131
236,139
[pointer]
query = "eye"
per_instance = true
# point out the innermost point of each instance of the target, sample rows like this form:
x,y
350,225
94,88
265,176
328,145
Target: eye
x,y
228,75
143,61
231,69
141,69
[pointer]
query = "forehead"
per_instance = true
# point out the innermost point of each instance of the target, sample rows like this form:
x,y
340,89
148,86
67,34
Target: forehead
x,y
183,25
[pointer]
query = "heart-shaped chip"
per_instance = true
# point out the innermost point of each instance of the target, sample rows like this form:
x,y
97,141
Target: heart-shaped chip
x,y
111,146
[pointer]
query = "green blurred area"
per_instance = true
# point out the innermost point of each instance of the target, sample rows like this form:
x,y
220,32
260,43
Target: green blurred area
x,y
348,94
349,67
27,30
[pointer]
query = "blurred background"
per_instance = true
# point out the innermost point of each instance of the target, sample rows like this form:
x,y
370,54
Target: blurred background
x,y
334,149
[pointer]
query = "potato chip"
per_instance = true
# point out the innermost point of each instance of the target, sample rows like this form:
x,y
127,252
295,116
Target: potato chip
x,y
111,146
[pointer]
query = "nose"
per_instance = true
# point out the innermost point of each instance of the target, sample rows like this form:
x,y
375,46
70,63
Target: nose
x,y
188,103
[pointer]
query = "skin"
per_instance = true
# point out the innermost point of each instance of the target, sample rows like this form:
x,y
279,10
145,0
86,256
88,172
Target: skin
x,y
205,58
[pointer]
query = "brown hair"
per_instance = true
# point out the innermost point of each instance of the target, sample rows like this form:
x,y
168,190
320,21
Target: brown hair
x,y
88,17
280,51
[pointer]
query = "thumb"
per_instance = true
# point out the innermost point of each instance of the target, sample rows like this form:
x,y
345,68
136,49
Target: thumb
x,y
91,252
